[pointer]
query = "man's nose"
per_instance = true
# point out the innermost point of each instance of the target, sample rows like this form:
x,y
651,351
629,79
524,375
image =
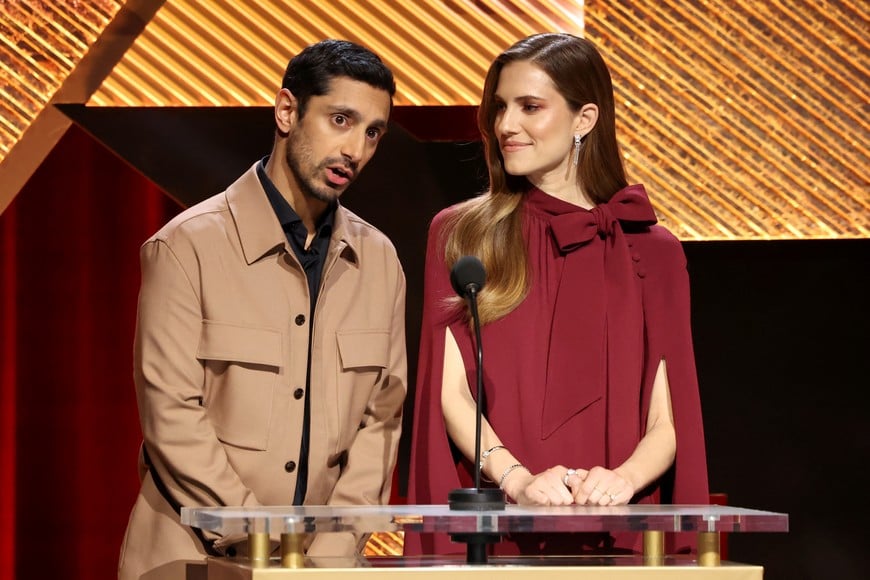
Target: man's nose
x,y
354,146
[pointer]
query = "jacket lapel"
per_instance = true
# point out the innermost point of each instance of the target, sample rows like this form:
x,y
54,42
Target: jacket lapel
x,y
258,228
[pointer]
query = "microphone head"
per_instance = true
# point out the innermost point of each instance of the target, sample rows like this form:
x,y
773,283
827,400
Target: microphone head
x,y
467,275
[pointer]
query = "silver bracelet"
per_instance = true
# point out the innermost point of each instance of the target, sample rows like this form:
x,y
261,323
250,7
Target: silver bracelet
x,y
489,452
508,472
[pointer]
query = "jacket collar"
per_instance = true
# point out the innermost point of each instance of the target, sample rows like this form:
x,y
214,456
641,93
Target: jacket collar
x,y
256,223
260,233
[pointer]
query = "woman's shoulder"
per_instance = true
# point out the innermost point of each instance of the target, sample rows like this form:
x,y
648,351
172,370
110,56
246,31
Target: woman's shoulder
x,y
657,244
453,212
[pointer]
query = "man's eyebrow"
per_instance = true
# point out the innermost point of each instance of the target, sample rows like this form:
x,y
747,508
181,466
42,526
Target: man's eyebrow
x,y
347,112
354,114
379,124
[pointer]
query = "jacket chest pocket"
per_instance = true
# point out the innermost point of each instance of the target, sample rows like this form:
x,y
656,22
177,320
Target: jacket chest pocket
x,y
363,359
241,365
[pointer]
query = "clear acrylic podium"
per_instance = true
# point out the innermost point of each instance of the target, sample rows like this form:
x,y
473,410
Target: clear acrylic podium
x,y
292,523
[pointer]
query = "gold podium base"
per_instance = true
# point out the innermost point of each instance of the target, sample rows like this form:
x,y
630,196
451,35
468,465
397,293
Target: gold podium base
x,y
624,568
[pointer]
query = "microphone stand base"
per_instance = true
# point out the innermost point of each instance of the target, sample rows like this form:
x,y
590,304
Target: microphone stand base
x,y
476,499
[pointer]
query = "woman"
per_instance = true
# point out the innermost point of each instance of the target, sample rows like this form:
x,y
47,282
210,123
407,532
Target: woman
x,y
590,387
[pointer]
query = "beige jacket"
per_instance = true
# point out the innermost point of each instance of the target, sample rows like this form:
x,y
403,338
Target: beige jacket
x,y
220,353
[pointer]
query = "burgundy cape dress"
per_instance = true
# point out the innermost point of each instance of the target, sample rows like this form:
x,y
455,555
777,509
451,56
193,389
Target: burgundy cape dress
x,y
568,373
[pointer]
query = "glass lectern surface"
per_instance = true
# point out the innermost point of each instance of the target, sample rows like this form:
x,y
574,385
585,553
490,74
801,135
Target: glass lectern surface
x,y
513,519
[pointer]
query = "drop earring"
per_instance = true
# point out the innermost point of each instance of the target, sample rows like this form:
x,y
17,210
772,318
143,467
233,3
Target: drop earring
x,y
576,149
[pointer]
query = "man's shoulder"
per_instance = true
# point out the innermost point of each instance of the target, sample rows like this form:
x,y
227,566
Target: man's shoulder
x,y
362,232
214,215
208,214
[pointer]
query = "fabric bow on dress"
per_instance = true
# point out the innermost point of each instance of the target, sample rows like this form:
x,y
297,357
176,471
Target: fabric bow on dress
x,y
598,316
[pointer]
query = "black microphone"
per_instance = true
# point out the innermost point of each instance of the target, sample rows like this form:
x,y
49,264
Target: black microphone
x,y
468,277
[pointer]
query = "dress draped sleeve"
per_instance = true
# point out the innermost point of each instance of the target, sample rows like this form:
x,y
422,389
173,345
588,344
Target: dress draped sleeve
x,y
666,303
433,471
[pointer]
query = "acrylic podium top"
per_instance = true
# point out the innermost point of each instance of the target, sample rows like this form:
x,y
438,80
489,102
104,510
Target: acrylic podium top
x,y
441,519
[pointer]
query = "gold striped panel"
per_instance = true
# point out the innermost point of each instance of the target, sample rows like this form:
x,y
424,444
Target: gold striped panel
x,y
41,43
214,53
385,544
746,120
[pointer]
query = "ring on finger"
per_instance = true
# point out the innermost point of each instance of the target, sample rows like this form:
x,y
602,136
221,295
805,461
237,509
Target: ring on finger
x,y
612,496
568,474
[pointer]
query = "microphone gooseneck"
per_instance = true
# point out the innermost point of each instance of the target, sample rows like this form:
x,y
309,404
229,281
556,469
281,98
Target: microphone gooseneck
x,y
468,276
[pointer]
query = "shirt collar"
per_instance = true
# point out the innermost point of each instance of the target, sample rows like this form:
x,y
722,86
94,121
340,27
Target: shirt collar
x,y
287,217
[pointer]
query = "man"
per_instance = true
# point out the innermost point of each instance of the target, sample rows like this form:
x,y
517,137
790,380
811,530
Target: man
x,y
270,360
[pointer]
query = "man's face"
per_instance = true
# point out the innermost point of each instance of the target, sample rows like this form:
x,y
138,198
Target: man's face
x,y
336,137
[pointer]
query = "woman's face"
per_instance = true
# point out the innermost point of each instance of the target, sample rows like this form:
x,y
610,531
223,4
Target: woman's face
x,y
533,124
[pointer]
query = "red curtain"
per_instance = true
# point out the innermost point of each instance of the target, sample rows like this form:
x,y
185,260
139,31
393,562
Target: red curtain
x,y
69,429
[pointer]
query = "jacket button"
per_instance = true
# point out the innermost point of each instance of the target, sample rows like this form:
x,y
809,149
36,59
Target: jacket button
x,y
290,466
635,257
641,273
300,319
297,394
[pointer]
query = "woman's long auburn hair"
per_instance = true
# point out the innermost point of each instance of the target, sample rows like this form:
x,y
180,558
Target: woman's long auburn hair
x,y
490,226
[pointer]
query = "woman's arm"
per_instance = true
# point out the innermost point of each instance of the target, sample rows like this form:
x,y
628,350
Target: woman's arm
x,y
653,455
460,417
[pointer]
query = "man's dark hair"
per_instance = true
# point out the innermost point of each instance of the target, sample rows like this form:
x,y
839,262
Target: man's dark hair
x,y
309,73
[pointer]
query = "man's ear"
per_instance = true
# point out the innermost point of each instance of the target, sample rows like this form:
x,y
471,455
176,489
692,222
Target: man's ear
x,y
586,118
286,111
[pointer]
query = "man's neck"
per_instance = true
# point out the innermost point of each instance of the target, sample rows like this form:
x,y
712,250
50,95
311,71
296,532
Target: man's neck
x,y
308,209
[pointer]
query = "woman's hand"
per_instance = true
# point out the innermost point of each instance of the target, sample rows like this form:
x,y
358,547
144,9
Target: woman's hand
x,y
545,488
599,486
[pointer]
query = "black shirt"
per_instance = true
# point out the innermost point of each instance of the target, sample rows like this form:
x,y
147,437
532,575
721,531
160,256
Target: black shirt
x,y
312,259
